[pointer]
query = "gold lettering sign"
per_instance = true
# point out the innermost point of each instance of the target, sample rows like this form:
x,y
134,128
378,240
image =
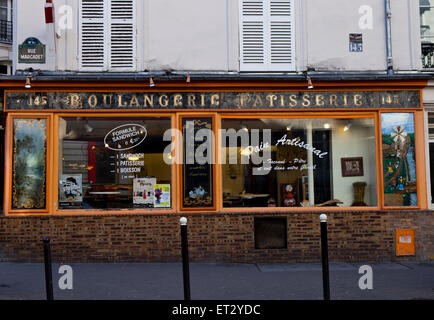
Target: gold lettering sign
x,y
177,100
271,98
149,100
213,100
74,100
92,101
164,100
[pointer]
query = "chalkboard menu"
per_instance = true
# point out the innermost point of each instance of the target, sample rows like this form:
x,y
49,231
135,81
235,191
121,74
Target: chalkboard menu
x,y
197,163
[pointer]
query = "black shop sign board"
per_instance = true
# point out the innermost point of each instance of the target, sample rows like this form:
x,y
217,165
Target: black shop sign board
x,y
197,172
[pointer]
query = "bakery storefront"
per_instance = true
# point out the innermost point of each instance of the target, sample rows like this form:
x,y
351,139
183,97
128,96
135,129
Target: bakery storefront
x,y
107,169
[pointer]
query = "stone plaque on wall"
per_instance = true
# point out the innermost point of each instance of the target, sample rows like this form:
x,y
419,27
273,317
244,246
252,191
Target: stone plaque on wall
x,y
31,51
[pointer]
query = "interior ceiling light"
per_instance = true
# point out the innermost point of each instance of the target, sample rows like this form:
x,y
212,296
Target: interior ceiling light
x,y
246,151
88,128
71,134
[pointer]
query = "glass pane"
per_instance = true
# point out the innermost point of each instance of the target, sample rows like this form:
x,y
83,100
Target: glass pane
x,y
114,163
29,163
399,159
298,162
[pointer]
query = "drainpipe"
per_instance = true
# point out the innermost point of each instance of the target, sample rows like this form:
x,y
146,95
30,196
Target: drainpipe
x,y
389,38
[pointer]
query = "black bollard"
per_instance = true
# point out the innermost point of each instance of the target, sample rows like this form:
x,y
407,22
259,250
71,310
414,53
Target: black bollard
x,y
185,262
325,257
48,272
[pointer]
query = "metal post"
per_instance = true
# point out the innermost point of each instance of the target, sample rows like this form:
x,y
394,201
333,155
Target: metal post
x,y
48,272
325,257
185,262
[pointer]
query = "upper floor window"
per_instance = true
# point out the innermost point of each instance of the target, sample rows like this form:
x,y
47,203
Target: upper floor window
x,y
267,35
3,10
6,21
107,40
427,32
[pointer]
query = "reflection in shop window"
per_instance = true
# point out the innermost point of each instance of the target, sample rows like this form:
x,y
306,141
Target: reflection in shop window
x,y
300,162
113,163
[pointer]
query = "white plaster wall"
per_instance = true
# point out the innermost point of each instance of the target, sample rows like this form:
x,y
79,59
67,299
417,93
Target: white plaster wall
x,y
191,35
5,52
66,38
329,23
357,142
428,93
203,35
31,23
406,41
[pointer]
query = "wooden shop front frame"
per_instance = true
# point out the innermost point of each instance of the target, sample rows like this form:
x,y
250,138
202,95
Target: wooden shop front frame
x,y
205,93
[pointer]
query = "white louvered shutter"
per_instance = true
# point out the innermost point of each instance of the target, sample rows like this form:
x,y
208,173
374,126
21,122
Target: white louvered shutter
x,y
122,35
267,35
282,35
92,35
107,40
252,42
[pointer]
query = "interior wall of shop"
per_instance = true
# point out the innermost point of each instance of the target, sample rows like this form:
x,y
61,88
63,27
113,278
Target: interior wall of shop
x,y
212,237
203,35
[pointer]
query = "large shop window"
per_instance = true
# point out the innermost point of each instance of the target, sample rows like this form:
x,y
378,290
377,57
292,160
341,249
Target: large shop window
x,y
114,163
276,162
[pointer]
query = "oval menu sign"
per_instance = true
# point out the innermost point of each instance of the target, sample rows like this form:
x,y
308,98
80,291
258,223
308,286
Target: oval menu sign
x,y
125,137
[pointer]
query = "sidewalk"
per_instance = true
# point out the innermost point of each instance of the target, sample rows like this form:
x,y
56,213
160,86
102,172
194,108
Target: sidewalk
x,y
218,281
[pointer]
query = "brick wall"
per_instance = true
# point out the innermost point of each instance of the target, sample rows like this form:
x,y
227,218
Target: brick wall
x,y
222,237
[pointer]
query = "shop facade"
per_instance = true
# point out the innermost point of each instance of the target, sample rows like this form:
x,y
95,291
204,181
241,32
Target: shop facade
x,y
106,169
